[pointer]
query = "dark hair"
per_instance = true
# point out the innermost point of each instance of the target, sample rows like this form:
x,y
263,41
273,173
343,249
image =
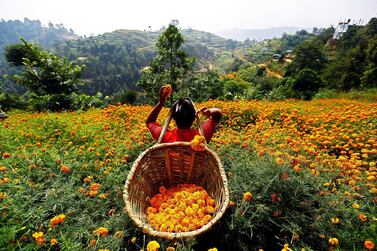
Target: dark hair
x,y
183,112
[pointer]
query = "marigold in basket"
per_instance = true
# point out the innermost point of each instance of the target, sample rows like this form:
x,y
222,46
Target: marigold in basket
x,y
183,208
197,144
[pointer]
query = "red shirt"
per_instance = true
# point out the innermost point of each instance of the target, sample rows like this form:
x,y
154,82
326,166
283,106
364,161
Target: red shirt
x,y
182,135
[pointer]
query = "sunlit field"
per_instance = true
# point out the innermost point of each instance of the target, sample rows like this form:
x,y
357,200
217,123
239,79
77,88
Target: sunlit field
x,y
309,166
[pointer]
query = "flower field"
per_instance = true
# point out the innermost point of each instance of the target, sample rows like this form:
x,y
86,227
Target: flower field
x,y
301,175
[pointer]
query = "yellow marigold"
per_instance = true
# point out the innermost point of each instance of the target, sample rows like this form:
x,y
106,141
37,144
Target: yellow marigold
x,y
286,248
102,231
333,241
279,161
355,206
212,249
335,220
39,238
197,144
3,195
153,246
247,196
369,245
103,250
53,242
3,169
102,196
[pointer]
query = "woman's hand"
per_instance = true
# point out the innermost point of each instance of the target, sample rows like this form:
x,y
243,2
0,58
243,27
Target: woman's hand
x,y
206,112
165,92
211,113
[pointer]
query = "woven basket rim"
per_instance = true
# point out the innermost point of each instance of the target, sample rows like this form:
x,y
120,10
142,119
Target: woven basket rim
x,y
169,235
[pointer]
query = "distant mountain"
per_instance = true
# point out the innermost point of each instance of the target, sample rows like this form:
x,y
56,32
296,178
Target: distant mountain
x,y
258,34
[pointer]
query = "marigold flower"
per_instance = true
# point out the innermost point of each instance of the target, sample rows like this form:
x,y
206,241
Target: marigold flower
x,y
212,249
3,195
286,248
153,246
232,203
65,169
369,245
197,144
279,161
39,238
247,196
57,219
95,187
275,198
167,90
355,206
363,217
179,209
6,155
335,220
93,243
102,231
53,242
333,241
170,249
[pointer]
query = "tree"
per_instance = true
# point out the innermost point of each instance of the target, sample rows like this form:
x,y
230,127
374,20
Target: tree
x,y
309,55
307,83
170,65
45,74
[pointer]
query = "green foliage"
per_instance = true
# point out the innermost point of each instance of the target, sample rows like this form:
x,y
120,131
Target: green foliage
x,y
309,55
84,102
235,89
50,79
204,86
307,83
170,65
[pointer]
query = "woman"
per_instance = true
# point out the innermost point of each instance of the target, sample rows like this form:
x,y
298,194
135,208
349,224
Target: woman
x,y
183,113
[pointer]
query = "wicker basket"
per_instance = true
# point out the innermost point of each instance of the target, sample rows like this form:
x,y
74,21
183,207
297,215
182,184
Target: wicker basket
x,y
170,164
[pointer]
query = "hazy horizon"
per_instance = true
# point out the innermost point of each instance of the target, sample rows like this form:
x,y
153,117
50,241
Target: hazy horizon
x,y
96,17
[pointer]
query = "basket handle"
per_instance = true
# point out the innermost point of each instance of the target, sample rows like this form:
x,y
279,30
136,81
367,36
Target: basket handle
x,y
167,122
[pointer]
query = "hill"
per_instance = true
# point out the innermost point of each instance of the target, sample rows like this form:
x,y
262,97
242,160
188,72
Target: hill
x,y
114,60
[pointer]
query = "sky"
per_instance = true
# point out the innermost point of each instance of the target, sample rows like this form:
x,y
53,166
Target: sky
x,y
92,17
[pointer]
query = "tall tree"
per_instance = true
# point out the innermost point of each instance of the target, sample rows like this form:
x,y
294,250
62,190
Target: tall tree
x,y
170,65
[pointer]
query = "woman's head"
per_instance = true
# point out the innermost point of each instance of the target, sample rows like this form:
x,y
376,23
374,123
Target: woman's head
x,y
183,112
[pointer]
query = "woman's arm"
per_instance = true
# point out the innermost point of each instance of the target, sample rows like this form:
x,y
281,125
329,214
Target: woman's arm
x,y
152,117
214,116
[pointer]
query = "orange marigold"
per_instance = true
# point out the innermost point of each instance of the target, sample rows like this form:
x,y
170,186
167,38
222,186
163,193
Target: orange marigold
x,y
57,219
369,245
65,169
102,231
363,217
247,196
